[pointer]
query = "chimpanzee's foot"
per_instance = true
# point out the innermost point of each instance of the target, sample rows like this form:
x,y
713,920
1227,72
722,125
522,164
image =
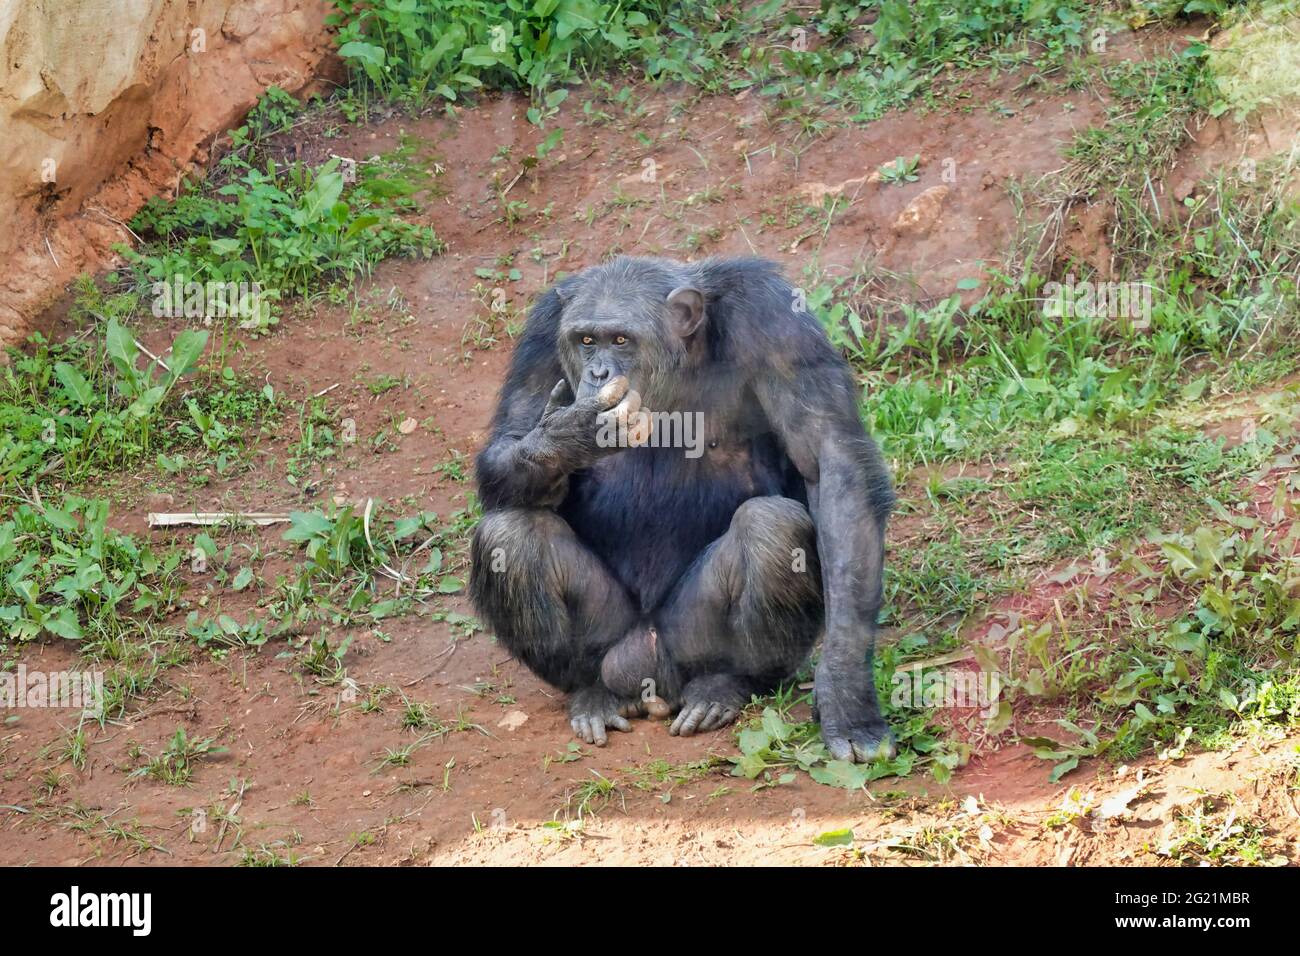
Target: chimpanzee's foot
x,y
710,702
592,709
857,741
850,717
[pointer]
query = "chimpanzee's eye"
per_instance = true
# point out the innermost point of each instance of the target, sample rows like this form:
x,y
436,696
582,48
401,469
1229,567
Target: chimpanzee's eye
x,y
587,340
621,340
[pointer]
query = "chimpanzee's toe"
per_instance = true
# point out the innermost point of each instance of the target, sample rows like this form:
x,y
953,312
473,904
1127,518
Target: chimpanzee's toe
x,y
703,716
593,710
709,703
861,745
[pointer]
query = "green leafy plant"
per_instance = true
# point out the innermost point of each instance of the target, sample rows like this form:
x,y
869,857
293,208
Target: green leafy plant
x,y
290,230
347,555
773,744
64,572
901,170
94,403
176,763
280,229
417,49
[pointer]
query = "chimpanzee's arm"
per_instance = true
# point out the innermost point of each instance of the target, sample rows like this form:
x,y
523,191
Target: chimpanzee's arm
x,y
810,399
512,468
541,433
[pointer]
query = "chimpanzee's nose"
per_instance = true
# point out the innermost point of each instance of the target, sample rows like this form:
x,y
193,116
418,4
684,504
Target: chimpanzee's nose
x,y
599,374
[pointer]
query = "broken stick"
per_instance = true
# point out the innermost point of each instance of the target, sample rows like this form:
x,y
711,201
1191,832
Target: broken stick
x,y
168,519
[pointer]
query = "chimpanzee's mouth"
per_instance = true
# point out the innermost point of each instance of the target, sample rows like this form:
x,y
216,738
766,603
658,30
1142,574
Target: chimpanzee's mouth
x,y
588,388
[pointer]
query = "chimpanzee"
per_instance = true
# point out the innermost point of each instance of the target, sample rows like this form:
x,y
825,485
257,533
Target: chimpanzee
x,y
607,558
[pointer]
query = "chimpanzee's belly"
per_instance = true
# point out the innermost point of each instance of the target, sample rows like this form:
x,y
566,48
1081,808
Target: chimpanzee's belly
x,y
649,512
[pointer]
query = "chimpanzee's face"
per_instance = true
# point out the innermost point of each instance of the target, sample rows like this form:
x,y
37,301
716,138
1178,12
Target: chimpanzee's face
x,y
639,334
604,352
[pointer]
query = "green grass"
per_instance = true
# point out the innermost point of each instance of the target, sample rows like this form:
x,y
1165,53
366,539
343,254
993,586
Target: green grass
x,y
1006,377
64,572
95,404
1259,65
1152,102
861,58
1126,675
176,763
275,854
280,229
1213,831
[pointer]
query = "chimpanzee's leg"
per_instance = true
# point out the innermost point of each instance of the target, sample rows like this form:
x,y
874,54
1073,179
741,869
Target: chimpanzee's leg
x,y
556,607
743,617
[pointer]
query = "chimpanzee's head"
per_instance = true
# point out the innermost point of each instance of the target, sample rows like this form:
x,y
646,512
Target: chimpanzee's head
x,y
636,318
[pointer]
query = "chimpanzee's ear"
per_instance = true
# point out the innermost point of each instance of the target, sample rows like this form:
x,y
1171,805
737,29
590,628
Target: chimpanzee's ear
x,y
567,286
685,310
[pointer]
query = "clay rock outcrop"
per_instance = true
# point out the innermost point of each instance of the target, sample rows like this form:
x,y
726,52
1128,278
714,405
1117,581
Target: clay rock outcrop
x,y
104,103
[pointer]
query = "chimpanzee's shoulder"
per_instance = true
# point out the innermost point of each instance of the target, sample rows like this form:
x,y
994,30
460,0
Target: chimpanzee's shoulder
x,y
744,278
535,351
755,313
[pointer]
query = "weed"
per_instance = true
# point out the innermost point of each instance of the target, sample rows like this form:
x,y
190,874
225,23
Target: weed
x,y
64,572
175,764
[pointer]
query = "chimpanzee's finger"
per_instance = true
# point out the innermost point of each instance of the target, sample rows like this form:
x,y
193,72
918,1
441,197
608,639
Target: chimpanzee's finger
x,y
714,718
687,721
692,722
583,727
711,712
612,391
620,723
840,749
558,398
630,405
676,725
598,732
621,413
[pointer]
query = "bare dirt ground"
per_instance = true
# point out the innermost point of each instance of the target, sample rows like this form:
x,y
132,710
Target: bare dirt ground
x,y
507,790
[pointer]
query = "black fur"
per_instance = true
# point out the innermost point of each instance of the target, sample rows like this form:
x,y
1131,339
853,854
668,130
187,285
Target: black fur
x,y
660,537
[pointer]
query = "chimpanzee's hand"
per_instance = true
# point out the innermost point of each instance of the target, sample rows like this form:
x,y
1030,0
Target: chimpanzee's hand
x,y
592,709
845,705
570,430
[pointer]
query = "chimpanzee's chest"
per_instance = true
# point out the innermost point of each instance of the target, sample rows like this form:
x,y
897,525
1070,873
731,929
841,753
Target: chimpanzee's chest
x,y
649,512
